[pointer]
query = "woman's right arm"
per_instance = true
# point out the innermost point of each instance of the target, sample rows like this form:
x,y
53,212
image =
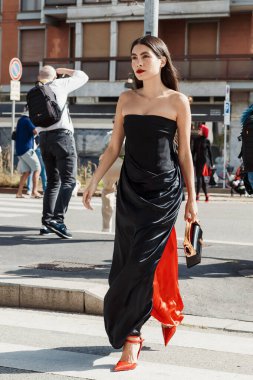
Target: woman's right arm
x,y
109,156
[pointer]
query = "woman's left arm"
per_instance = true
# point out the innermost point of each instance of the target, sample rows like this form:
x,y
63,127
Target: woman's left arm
x,y
184,154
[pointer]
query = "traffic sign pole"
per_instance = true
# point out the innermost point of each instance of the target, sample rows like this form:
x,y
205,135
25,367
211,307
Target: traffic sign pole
x,y
225,156
12,129
151,16
226,123
15,70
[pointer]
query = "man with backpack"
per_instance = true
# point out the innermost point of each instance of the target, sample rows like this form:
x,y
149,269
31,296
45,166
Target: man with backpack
x,y
247,146
47,104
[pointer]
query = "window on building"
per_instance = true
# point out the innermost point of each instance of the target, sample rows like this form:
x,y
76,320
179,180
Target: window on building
x,y
202,38
72,42
128,31
32,44
96,50
30,5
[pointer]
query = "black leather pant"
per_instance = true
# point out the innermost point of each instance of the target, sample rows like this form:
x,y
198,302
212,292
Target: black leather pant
x,y
60,159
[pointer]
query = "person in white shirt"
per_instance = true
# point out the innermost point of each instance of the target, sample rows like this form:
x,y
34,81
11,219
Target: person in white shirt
x,y
110,179
59,152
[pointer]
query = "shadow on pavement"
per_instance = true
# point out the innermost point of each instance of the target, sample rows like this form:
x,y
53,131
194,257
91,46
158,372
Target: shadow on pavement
x,y
16,236
211,266
224,268
43,361
46,358
90,274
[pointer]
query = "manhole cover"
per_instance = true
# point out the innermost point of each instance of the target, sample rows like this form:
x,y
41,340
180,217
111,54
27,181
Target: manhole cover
x,y
66,266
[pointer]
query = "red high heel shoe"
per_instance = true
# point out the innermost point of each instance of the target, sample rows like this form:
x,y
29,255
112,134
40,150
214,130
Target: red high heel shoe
x,y
124,365
168,333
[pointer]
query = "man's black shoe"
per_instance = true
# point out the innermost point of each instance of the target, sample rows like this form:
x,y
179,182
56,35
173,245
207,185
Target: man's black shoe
x,y
45,231
59,228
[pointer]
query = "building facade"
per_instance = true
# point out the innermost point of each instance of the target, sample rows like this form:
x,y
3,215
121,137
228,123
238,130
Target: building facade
x,y
211,43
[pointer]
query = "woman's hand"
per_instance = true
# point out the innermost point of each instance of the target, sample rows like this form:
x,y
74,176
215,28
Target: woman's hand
x,y
191,210
87,194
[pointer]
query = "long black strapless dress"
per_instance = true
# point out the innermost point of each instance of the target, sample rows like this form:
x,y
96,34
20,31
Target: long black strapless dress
x,y
148,200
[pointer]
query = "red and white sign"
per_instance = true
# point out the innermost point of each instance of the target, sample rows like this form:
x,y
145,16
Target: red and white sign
x,y
15,69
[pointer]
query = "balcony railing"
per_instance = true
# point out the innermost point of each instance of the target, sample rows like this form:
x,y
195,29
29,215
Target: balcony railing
x,y
215,67
168,1
85,2
59,3
226,67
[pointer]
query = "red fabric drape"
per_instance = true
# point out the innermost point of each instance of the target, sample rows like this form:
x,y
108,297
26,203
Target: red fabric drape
x,y
206,171
167,301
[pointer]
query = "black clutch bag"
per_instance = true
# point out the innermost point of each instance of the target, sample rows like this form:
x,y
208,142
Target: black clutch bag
x,y
193,243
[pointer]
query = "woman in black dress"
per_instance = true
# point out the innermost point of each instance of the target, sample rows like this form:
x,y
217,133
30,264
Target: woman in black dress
x,y
203,159
143,278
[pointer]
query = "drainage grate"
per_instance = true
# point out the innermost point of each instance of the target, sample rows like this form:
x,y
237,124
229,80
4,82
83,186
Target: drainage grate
x,y
65,266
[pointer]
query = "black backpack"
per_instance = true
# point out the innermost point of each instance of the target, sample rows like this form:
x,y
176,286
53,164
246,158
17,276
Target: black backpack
x,y
42,105
247,144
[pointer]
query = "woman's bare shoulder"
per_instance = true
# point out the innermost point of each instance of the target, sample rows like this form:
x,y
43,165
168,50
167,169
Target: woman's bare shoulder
x,y
127,95
177,96
127,100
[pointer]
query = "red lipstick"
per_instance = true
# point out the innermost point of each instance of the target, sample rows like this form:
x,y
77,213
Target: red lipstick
x,y
139,71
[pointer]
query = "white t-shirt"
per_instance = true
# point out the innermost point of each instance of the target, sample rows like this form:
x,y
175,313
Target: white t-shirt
x,y
62,87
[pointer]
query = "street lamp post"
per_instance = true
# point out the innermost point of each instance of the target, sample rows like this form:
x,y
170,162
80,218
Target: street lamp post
x,y
151,17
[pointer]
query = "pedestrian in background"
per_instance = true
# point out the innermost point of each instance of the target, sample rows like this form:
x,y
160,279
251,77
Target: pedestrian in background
x,y
110,179
247,142
203,159
59,151
28,160
144,274
43,175
1,159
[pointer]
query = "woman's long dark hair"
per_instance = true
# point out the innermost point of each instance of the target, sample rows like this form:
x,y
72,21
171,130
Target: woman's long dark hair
x,y
169,74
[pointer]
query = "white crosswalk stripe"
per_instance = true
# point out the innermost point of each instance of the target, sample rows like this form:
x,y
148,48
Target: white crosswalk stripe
x,y
12,207
28,353
88,366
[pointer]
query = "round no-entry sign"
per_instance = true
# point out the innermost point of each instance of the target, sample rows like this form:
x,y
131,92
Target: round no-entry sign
x,y
15,69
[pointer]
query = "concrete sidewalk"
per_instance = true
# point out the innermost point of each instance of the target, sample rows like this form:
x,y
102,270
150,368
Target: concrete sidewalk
x,y
85,297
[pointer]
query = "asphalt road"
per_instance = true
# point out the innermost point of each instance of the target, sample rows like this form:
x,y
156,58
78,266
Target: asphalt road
x,y
220,287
